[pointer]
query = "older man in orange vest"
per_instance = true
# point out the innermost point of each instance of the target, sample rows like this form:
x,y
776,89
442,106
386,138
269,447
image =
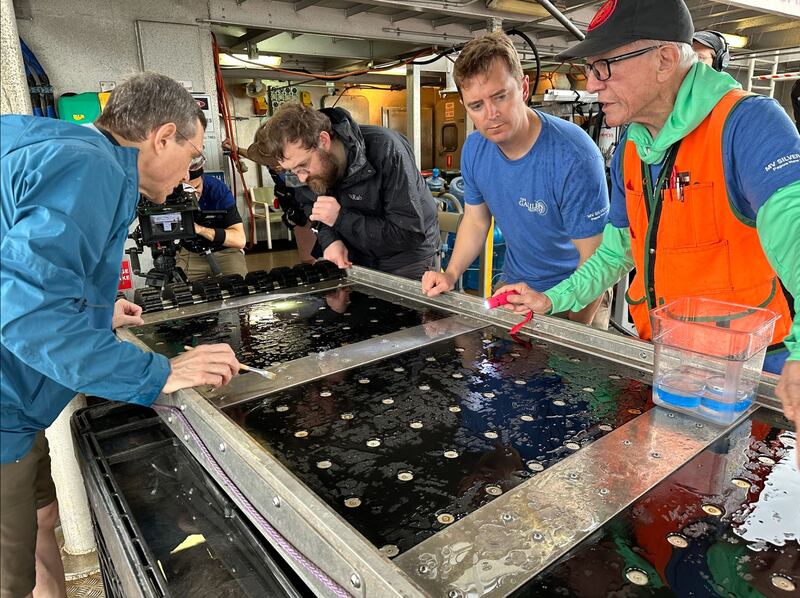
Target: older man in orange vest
x,y
705,194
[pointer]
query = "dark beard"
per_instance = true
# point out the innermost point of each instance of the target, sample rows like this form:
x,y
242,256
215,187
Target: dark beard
x,y
329,175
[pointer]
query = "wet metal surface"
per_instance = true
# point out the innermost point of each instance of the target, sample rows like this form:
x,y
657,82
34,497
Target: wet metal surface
x,y
407,446
270,333
195,541
727,523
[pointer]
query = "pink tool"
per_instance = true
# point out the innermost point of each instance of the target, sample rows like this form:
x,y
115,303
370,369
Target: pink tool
x,y
498,300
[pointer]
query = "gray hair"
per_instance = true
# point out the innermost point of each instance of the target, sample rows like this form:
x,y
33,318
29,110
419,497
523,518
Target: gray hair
x,y
147,101
687,55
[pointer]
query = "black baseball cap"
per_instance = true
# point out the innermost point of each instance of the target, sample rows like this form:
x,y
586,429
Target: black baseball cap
x,y
710,39
620,22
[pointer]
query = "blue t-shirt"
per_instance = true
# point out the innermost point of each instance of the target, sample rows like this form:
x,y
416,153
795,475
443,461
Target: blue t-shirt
x,y
553,194
761,155
216,195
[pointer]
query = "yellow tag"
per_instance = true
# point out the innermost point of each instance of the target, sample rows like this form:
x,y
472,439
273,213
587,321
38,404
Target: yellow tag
x,y
189,542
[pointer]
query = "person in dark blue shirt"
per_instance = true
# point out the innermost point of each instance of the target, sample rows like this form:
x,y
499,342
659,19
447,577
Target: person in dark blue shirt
x,y
219,230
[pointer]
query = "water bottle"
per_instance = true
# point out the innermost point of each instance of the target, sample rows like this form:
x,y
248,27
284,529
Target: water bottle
x,y
435,183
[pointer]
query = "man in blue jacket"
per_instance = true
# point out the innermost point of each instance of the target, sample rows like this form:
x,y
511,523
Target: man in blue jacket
x,y
69,195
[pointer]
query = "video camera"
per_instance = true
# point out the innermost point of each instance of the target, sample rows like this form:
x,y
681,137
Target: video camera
x,y
162,228
293,215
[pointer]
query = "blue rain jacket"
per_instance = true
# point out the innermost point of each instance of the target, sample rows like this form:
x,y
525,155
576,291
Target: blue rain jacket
x,y
68,198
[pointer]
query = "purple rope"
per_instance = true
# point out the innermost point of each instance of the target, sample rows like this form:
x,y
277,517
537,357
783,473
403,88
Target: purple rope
x,y
260,522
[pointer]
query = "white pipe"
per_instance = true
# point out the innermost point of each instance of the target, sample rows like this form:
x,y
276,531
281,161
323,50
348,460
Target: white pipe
x,y
73,505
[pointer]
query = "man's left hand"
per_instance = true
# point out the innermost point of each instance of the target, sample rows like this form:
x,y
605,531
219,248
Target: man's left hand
x,y
788,391
325,210
126,314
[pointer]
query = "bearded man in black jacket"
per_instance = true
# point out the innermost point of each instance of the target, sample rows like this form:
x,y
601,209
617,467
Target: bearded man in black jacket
x,y
358,184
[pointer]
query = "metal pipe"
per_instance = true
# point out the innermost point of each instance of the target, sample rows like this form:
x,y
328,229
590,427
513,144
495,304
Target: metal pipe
x,y
558,16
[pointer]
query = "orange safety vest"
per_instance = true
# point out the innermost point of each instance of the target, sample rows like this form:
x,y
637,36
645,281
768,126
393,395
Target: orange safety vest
x,y
695,243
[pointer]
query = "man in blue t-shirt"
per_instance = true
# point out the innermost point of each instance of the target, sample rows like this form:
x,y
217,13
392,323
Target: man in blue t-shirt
x,y
540,177
219,228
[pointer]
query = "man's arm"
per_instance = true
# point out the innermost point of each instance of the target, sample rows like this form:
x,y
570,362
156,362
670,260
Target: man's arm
x,y
778,225
470,238
586,248
234,235
401,225
64,212
62,229
610,262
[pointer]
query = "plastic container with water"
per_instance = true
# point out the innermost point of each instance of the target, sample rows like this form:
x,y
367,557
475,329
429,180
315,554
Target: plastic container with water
x,y
709,355
435,183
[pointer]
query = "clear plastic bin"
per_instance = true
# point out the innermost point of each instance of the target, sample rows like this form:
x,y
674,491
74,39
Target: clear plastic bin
x,y
709,355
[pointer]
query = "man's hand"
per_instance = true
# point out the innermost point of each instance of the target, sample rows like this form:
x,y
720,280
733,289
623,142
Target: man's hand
x,y
336,252
205,364
435,283
788,391
126,314
325,210
526,300
230,146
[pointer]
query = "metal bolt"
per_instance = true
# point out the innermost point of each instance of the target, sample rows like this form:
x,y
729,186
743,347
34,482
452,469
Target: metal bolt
x,y
626,442
423,569
169,419
276,502
355,580
454,593
537,325
655,455
222,447
643,354
186,438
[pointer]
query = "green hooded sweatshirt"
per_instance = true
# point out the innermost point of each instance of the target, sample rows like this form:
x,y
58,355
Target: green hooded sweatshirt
x,y
777,221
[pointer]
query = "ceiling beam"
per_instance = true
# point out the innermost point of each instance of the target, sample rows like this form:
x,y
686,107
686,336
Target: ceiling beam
x,y
303,4
403,15
441,22
254,36
356,9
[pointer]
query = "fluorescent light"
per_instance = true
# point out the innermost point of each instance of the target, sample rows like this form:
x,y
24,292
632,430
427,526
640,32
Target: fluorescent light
x,y
735,41
518,6
242,60
397,71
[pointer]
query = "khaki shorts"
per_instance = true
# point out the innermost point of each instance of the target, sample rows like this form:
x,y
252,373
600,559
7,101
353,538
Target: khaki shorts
x,y
229,261
601,316
25,486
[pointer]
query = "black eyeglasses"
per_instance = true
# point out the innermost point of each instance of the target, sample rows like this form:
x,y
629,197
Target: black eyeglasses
x,y
197,161
601,69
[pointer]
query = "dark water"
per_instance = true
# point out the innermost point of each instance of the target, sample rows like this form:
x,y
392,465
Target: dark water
x,y
170,499
401,446
733,512
274,332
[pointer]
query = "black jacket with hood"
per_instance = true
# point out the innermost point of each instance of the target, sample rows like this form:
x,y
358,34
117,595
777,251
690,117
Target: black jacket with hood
x,y
388,216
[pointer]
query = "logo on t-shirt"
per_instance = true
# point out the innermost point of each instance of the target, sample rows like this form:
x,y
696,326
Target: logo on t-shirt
x,y
782,162
537,207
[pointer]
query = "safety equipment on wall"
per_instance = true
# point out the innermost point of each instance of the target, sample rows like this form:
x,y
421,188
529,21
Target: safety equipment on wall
x,y
42,101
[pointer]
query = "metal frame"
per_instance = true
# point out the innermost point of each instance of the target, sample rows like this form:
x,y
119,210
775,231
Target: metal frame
x,y
605,477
